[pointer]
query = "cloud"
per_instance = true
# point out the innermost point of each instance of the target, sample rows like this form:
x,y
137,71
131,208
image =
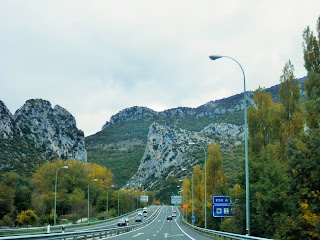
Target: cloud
x,y
95,58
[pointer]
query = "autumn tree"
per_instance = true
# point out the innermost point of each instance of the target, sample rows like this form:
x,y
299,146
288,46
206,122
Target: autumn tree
x,y
27,217
311,50
290,106
304,154
263,116
72,185
216,180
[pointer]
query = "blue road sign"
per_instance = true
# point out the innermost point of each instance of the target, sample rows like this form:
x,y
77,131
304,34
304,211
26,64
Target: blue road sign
x,y
221,200
193,219
222,210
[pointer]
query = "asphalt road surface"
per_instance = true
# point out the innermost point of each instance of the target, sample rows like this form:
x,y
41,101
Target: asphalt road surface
x,y
161,228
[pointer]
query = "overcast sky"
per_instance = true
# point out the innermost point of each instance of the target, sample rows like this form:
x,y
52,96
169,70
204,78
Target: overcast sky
x,y
95,58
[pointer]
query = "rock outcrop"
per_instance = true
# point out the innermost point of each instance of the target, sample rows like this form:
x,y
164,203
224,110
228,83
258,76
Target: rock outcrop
x,y
53,130
167,149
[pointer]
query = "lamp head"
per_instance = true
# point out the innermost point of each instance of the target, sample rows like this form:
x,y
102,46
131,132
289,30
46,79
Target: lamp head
x,y
215,57
191,143
95,180
65,167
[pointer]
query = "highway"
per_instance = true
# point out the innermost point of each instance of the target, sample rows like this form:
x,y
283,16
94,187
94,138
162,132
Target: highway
x,y
157,228
161,228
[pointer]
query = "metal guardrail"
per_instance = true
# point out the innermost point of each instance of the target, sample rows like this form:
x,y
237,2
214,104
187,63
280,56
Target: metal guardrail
x,y
224,235
86,233
13,230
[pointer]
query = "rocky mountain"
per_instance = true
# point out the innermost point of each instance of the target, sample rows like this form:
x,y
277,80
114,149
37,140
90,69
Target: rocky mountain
x,y
141,147
126,143
40,132
211,109
168,150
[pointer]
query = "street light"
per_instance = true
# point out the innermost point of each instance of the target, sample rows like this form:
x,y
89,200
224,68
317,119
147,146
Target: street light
x,y
107,208
205,182
118,203
94,180
184,169
55,195
215,57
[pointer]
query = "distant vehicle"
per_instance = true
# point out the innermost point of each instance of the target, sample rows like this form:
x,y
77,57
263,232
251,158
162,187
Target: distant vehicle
x,y
145,210
169,217
127,220
122,222
138,219
145,215
174,215
174,211
139,213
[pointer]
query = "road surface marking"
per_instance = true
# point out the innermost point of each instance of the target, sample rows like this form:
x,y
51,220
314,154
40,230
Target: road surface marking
x,y
181,228
176,235
137,234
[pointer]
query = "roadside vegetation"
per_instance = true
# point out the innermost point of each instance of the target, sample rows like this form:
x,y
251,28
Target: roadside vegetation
x,y
30,201
284,161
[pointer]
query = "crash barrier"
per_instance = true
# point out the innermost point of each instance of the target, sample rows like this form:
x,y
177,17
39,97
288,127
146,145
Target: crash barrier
x,y
92,234
58,227
223,235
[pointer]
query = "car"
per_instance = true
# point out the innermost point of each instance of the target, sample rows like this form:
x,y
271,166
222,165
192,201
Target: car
x,y
145,215
122,222
145,210
169,217
139,213
174,215
174,211
138,219
127,220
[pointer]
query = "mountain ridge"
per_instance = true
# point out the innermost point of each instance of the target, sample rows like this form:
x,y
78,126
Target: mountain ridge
x,y
36,133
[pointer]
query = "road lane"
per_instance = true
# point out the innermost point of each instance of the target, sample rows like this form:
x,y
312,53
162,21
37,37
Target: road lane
x,y
161,228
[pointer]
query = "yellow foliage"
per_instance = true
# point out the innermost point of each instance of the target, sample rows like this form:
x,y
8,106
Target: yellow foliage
x,y
311,219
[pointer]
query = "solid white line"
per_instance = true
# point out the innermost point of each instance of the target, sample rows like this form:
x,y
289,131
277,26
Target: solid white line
x,y
135,229
181,228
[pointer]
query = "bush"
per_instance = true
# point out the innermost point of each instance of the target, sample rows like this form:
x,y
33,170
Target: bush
x,y
7,221
27,217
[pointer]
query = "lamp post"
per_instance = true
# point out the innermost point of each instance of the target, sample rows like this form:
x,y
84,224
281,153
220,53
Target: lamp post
x,y
107,208
118,202
215,57
205,182
94,180
184,169
55,195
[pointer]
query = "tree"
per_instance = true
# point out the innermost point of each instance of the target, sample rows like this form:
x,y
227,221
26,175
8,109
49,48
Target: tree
x,y
262,117
216,181
291,109
27,217
311,50
6,200
77,176
103,174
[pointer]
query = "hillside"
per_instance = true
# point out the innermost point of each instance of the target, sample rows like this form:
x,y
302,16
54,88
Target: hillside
x,y
37,133
123,141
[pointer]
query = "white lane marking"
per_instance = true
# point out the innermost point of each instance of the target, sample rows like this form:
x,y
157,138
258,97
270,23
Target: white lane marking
x,y
135,229
166,235
137,234
181,228
176,235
